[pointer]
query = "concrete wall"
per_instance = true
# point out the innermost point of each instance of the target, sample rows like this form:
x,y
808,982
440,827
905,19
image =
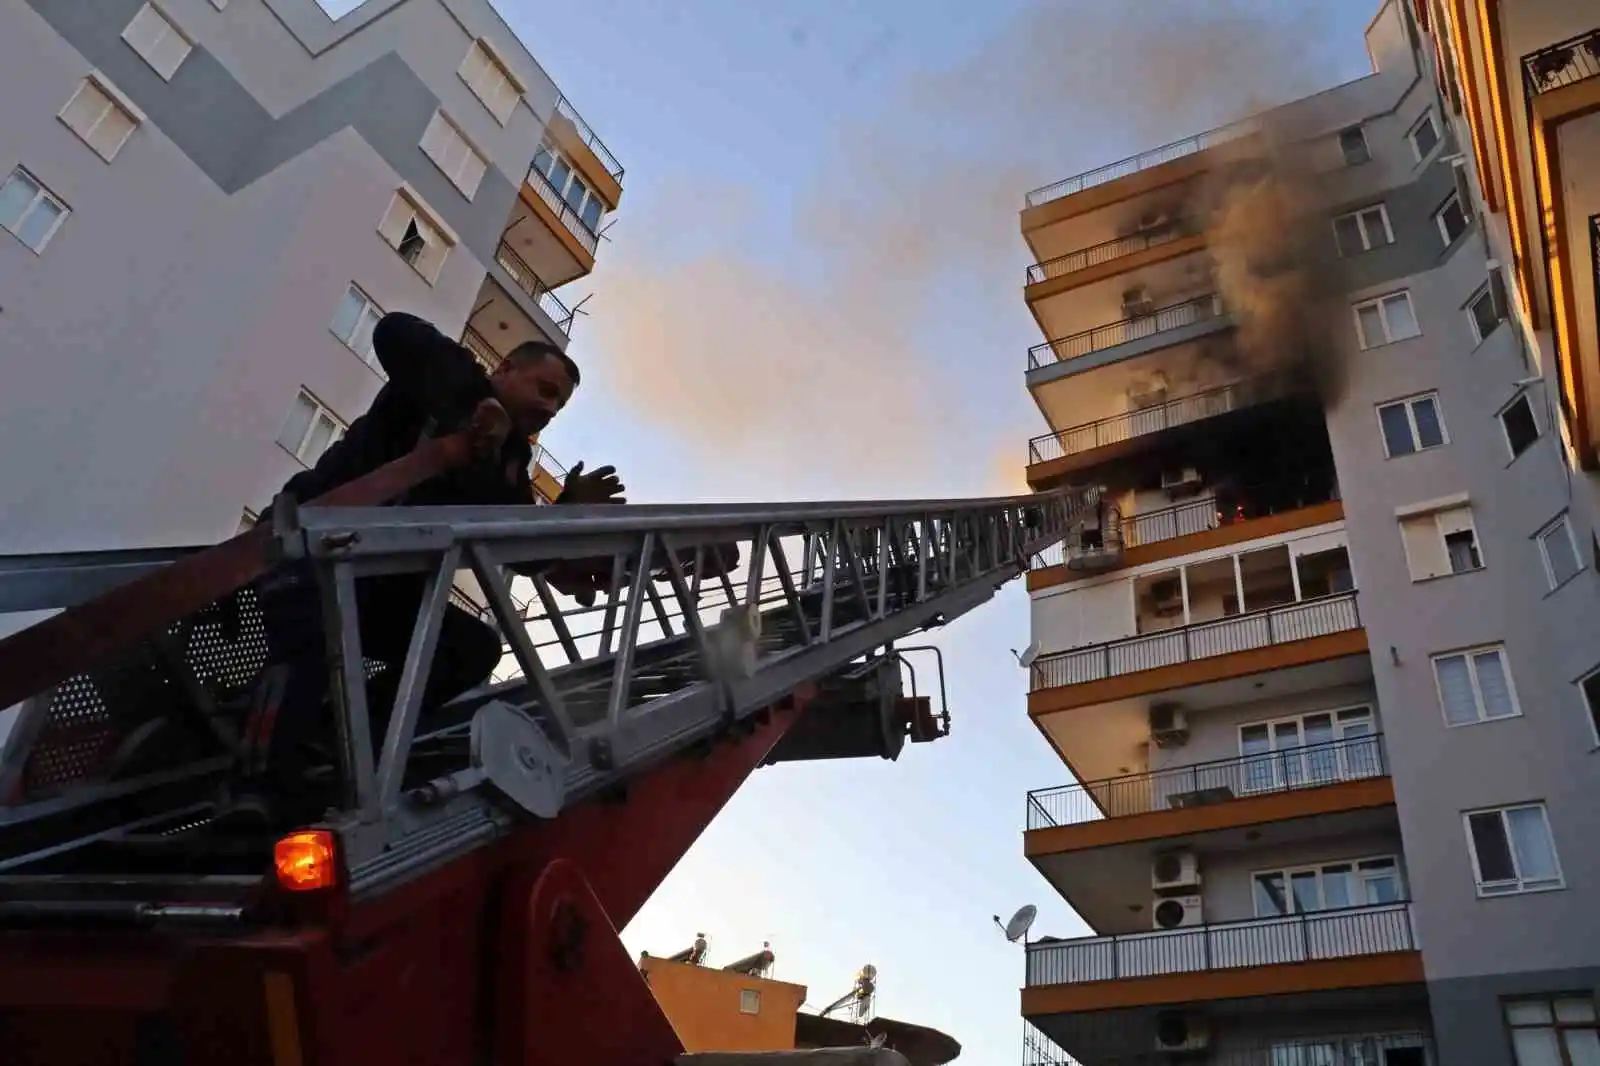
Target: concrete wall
x,y
703,1005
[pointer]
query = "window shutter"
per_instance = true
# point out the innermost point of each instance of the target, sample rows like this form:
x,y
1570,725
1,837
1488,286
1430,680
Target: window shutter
x,y
1493,684
1455,689
1455,520
396,219
436,139
1424,544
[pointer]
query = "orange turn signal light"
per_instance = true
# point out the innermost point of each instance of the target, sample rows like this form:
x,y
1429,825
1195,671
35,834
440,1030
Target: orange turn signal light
x,y
306,861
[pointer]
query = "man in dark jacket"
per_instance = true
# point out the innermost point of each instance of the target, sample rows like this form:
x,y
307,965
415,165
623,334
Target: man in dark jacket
x,y
435,387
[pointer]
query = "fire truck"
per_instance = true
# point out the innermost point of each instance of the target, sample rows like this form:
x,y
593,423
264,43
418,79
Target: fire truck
x,y
459,901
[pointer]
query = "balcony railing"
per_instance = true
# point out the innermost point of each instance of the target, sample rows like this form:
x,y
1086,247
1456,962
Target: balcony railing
x,y
1331,934
589,137
1107,251
1142,422
529,282
1309,766
1346,1049
569,218
1318,617
1136,327
481,349
1223,506
1573,60
1143,161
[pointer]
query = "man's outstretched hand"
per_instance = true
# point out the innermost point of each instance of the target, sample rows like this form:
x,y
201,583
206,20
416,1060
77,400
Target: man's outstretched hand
x,y
602,486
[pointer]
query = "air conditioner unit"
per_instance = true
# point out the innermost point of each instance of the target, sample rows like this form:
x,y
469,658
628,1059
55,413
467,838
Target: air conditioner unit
x,y
1137,302
1178,1033
1169,728
1175,912
1180,479
1175,870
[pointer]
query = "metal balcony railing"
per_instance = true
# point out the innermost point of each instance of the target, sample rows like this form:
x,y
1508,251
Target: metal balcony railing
x,y
1201,308
1107,251
529,282
1309,766
481,349
1143,161
589,137
1567,63
1358,1048
1303,620
1143,421
569,218
542,457
1331,934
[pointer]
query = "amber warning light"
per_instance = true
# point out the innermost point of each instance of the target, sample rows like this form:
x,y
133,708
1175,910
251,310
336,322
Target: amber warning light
x,y
306,861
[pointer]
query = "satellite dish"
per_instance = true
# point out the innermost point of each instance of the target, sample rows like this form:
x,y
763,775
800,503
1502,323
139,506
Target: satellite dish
x,y
1027,655
1021,922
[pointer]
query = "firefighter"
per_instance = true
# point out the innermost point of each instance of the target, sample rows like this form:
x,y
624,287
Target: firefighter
x,y
435,386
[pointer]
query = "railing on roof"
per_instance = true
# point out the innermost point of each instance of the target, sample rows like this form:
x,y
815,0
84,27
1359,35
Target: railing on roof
x,y
1566,63
1201,308
1143,161
1286,770
1142,422
592,139
569,218
1301,620
1107,251
529,282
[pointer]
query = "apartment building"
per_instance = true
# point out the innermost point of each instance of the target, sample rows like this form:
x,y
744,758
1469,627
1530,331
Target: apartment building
x,y
206,205
1323,667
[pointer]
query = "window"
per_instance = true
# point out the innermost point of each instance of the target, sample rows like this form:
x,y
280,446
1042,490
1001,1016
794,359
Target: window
x,y
1353,143
1440,541
1386,320
571,188
1363,230
490,81
1310,749
30,211
1424,136
1521,428
1560,551
749,1001
1451,219
1411,425
1475,686
158,41
450,151
1589,685
415,236
354,322
1328,886
1512,850
1558,1031
1486,308
309,430
97,113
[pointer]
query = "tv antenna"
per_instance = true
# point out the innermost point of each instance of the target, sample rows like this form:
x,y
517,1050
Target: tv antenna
x,y
1017,928
1026,656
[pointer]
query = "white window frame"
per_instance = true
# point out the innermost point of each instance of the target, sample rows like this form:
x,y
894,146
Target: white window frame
x,y
1505,432
1382,303
1367,244
42,192
1591,707
1426,119
1278,759
340,428
1479,334
1366,147
1318,868
369,356
1517,886
406,199
561,190
443,136
492,63
1438,219
1408,403
1561,521
1467,654
115,100
146,12
749,1001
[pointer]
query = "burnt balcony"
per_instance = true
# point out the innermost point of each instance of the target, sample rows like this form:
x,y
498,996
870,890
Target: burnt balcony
x,y
1204,784
528,281
1171,324
1155,157
1565,63
1110,251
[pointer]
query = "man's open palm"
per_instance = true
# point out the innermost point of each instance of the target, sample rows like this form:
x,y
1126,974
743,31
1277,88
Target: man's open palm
x,y
602,486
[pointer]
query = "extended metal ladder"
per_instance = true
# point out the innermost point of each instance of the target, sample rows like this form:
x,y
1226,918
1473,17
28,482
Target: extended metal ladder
x,y
710,613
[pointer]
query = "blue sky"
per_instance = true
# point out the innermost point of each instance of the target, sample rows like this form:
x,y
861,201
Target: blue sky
x,y
813,290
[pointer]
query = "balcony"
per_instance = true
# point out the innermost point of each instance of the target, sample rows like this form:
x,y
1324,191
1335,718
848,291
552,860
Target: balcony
x,y
1112,251
1296,634
1205,311
481,350
526,280
1155,157
590,139
569,219
1248,1046
1052,455
1321,951
1560,65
